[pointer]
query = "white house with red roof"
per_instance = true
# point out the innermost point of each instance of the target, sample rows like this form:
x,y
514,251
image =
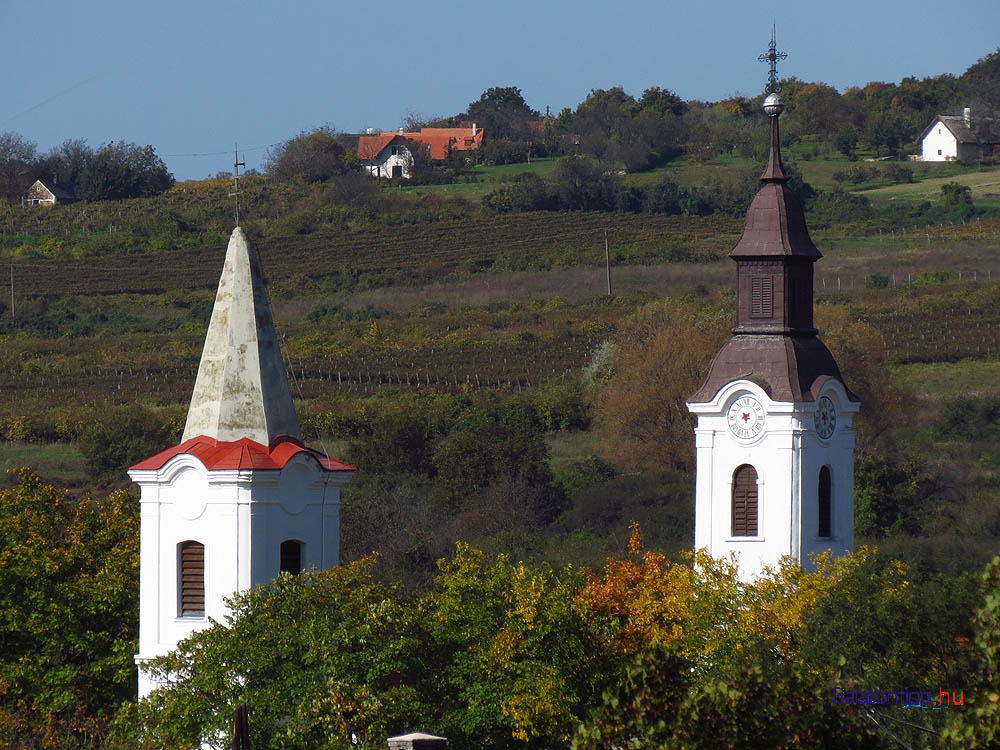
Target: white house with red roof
x,y
388,154
241,498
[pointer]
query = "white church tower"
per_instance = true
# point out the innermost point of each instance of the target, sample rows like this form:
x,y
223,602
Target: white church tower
x,y
774,443
240,498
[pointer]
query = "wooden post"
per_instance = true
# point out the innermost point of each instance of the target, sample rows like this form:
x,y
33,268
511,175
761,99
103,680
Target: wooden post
x,y
607,259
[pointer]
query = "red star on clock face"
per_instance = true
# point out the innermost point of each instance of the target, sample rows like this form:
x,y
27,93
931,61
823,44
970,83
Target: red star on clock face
x,y
746,417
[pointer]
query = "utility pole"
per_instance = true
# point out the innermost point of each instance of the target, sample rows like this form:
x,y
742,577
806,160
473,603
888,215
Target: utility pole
x,y
11,291
607,259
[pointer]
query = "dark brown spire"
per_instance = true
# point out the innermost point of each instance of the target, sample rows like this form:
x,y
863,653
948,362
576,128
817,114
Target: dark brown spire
x,y
774,341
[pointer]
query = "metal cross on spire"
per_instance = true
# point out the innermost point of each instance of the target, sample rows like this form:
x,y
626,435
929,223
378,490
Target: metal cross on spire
x,y
772,56
236,180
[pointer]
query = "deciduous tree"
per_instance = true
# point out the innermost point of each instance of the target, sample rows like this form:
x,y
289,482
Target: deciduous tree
x,y
68,614
16,156
660,358
123,170
313,156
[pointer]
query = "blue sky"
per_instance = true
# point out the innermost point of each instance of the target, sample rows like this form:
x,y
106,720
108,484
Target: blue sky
x,y
191,78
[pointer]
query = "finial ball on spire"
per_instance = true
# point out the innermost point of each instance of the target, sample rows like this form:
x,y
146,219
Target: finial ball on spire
x,y
773,105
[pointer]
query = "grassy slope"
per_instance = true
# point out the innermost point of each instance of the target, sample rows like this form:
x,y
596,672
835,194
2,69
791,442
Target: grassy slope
x,y
51,460
816,162
929,189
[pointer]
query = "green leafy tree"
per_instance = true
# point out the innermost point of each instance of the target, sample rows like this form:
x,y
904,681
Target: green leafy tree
x,y
502,111
753,700
490,440
125,436
396,441
978,726
615,128
123,170
662,101
65,162
17,155
496,655
315,657
313,156
517,665
580,184
68,614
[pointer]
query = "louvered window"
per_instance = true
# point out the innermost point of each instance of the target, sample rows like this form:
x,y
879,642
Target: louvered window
x,y
191,580
291,557
745,501
761,296
824,526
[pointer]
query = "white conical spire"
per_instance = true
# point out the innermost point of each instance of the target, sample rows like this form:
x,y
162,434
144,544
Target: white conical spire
x,y
241,390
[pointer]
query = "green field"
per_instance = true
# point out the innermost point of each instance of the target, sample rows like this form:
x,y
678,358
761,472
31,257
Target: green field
x,y
984,184
941,381
54,461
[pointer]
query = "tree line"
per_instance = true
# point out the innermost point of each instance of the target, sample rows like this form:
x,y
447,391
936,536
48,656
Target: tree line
x,y
613,127
113,171
645,652
638,133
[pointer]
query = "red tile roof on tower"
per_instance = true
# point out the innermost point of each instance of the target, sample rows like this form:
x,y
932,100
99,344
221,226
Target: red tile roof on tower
x,y
217,455
440,140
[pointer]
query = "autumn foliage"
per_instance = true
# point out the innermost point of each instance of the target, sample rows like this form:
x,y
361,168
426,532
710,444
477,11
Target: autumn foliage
x,y
660,357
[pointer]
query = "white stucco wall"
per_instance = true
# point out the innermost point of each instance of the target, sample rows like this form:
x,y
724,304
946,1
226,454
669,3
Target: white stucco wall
x,y
787,455
386,160
241,517
939,139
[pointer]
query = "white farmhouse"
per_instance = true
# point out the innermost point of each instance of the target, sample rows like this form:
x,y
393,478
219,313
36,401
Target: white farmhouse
x,y
388,154
241,498
951,138
46,193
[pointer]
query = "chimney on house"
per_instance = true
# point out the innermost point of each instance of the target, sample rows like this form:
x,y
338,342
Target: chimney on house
x,y
370,131
473,130
400,131
967,116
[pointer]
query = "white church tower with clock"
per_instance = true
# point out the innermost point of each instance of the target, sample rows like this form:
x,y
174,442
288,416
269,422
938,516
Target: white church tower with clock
x,y
774,443
241,498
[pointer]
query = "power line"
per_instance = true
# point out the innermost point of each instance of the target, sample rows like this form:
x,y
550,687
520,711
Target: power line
x,y
226,153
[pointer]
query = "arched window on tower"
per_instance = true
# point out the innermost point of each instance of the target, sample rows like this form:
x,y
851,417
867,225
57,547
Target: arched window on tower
x,y
190,579
825,489
291,557
745,501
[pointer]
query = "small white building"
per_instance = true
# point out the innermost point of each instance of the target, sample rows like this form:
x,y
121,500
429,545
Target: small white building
x,y
241,498
950,138
47,193
388,154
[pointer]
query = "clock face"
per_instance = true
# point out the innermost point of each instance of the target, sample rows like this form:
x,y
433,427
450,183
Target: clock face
x,y
746,417
826,417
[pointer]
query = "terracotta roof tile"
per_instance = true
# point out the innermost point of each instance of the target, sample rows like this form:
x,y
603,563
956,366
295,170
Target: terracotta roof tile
x,y
241,455
440,140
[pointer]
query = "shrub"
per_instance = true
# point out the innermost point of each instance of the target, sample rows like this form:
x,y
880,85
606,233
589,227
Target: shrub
x,y
876,281
125,436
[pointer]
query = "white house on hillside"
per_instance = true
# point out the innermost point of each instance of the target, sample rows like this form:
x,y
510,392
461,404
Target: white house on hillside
x,y
387,154
46,193
951,138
